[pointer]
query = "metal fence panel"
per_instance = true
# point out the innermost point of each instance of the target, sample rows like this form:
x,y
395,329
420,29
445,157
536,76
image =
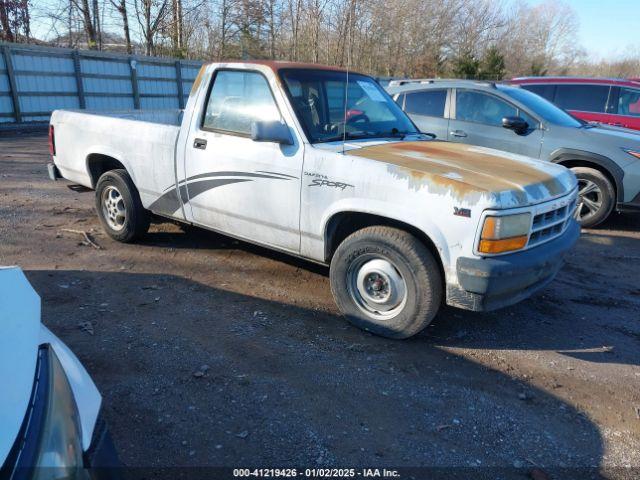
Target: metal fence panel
x,y
36,80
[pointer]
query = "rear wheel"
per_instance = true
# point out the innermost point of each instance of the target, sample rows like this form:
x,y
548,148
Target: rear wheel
x,y
119,207
596,196
386,281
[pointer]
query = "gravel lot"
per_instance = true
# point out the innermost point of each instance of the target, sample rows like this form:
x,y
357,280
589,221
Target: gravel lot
x,y
211,352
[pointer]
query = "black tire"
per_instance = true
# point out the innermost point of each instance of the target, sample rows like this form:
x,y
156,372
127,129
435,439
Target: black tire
x,y
135,221
410,258
597,204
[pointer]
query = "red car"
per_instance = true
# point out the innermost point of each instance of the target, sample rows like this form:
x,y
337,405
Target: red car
x,y
604,100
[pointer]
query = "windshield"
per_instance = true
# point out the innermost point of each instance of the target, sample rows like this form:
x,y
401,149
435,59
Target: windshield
x,y
318,98
544,108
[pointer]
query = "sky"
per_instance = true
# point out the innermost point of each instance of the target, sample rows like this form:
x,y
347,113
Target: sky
x,y
608,29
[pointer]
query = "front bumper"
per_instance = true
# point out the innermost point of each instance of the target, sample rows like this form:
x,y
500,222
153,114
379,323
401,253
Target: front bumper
x,y
496,282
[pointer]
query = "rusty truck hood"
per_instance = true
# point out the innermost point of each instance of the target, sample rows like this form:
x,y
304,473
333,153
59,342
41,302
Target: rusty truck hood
x,y
469,172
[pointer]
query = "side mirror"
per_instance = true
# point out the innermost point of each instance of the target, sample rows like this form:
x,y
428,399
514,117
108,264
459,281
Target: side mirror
x,y
271,131
517,124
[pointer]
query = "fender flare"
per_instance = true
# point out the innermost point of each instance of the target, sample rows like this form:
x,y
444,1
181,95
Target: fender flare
x,y
433,234
563,154
107,152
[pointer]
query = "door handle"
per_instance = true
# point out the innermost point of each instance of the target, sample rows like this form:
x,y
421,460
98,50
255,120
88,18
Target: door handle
x,y
200,143
458,133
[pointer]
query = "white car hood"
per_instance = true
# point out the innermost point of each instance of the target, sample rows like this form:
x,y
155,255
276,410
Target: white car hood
x,y
19,339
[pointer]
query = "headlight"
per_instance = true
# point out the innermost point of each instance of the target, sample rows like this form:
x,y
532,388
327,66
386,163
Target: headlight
x,y
52,446
504,233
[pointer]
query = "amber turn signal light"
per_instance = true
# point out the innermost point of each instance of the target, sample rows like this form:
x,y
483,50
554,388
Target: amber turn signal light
x,y
504,245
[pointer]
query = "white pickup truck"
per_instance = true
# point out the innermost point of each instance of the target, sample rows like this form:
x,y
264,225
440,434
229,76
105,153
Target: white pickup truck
x,y
321,163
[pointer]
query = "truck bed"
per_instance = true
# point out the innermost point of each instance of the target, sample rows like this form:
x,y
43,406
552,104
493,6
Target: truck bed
x,y
164,117
143,141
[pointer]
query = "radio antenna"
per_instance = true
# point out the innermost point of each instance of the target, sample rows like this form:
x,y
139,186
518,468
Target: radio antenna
x,y
346,85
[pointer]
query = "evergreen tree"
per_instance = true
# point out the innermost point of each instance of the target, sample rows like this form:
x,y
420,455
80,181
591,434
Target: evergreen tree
x,y
466,66
492,67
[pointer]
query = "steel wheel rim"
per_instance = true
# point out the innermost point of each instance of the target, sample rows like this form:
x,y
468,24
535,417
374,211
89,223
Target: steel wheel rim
x,y
376,286
590,199
113,209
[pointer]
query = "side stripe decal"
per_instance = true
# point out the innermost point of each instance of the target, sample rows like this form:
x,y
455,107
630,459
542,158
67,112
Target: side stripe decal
x,y
234,174
169,202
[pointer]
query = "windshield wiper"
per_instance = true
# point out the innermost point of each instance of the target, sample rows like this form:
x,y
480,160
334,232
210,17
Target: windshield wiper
x,y
348,136
394,133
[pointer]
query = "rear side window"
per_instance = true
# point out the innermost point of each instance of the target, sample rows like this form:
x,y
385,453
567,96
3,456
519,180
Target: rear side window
x,y
236,100
585,98
482,108
545,91
430,103
629,102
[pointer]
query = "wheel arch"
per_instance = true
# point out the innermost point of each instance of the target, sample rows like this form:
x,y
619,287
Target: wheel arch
x,y
569,158
343,223
99,163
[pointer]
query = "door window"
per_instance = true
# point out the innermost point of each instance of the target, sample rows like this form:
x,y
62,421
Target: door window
x,y
236,100
429,103
584,98
482,108
629,102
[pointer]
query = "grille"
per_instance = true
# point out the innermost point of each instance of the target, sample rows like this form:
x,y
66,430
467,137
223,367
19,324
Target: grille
x,y
549,225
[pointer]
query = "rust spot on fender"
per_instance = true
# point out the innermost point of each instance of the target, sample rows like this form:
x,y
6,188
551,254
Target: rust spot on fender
x,y
464,170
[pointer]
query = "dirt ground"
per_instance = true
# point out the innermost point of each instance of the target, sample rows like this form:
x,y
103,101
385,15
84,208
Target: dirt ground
x,y
211,352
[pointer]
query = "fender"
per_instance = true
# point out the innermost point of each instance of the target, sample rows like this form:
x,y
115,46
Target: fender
x,y
380,209
107,152
564,154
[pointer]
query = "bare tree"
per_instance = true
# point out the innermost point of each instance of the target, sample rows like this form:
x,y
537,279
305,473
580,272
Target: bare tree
x,y
396,38
150,15
89,17
271,14
15,20
121,8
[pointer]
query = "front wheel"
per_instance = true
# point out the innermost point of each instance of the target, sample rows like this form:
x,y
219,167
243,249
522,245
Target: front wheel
x,y
119,207
596,196
386,281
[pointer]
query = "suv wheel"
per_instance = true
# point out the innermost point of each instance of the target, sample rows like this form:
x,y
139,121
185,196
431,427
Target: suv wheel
x,y
386,281
119,207
596,196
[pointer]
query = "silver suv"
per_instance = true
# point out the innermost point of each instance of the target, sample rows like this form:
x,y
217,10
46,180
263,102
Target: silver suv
x,y
605,159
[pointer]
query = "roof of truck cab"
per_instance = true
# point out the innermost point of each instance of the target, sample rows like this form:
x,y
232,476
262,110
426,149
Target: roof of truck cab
x,y
274,65
277,65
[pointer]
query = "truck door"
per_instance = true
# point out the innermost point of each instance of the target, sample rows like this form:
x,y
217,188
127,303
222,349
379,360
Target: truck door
x,y
236,185
478,121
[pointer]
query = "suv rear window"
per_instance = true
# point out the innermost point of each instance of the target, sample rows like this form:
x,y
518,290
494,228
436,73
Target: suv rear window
x,y
584,98
545,91
629,102
429,103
